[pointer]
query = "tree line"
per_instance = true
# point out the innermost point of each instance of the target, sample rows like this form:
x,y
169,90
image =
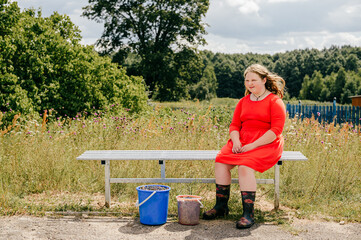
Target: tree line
x,y
310,74
158,40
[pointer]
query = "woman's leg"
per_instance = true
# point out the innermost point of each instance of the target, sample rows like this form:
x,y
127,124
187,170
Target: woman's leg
x,y
223,173
246,179
248,185
223,189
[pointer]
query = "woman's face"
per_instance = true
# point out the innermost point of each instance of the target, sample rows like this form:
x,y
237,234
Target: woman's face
x,y
254,83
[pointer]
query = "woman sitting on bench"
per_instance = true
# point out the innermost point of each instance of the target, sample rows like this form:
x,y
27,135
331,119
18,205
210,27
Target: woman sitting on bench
x,y
255,143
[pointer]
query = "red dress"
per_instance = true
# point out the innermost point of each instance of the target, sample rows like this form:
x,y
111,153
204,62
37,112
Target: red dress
x,y
252,119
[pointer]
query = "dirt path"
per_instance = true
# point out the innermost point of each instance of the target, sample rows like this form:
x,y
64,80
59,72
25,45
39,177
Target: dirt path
x,y
70,227
88,227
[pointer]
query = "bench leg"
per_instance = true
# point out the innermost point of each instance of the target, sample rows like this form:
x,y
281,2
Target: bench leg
x,y
277,186
107,183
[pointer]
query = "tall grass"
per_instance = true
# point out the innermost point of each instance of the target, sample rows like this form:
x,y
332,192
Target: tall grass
x,y
38,160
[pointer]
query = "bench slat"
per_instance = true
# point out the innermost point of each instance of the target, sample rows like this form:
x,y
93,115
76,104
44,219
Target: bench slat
x,y
169,155
179,180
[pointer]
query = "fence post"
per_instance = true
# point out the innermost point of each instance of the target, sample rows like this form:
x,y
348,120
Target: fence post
x,y
288,109
314,111
334,110
299,110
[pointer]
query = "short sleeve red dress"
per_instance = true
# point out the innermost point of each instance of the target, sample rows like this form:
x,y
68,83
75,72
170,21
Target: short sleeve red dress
x,y
253,119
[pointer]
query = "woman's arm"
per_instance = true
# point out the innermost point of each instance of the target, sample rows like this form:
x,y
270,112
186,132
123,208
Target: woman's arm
x,y
236,123
236,143
266,138
235,127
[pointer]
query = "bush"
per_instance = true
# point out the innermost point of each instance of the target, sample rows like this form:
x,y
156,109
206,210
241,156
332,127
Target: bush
x,y
43,66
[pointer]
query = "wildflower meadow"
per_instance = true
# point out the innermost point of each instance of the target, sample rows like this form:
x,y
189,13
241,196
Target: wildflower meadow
x,y
39,171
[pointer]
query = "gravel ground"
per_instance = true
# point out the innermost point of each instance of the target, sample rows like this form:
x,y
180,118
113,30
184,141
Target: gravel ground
x,y
85,227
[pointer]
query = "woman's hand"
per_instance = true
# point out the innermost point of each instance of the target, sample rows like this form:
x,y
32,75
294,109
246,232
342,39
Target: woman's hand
x,y
248,147
237,146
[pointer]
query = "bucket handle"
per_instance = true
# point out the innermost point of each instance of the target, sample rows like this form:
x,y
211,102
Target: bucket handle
x,y
137,204
201,205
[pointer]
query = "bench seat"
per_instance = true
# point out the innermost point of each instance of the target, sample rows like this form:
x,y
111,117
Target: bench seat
x,y
105,156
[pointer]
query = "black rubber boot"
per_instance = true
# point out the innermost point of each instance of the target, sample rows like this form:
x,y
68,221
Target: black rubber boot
x,y
247,219
221,207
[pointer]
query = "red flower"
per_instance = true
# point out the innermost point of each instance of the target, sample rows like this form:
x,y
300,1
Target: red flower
x,y
248,201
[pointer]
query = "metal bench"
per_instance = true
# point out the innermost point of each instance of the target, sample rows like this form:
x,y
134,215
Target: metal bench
x,y
165,155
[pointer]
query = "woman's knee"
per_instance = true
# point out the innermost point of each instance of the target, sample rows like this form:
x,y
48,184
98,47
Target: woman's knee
x,y
223,166
244,170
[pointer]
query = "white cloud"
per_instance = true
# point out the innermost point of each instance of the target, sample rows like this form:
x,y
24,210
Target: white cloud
x,y
241,26
350,38
345,18
244,6
249,7
285,42
283,1
234,3
225,45
281,42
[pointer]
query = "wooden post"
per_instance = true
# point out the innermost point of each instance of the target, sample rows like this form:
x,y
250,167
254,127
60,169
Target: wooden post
x,y
334,111
300,115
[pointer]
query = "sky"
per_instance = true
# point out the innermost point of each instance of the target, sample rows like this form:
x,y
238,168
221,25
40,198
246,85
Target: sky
x,y
242,26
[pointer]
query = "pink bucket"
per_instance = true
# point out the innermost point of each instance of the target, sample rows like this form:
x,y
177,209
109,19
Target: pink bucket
x,y
189,209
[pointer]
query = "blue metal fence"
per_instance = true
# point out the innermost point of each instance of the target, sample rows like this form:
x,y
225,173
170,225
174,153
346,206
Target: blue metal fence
x,y
336,114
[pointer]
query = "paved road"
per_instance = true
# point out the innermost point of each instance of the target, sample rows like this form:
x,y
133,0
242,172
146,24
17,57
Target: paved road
x,y
26,227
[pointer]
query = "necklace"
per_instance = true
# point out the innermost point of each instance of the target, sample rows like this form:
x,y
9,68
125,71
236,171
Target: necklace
x,y
259,95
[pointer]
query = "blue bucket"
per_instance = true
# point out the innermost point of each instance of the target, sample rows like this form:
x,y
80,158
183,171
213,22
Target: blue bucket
x,y
153,204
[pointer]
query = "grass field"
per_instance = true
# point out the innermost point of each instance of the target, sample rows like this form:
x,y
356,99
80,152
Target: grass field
x,y
39,172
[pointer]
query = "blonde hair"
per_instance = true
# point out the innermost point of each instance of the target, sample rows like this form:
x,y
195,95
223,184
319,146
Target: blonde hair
x,y
275,84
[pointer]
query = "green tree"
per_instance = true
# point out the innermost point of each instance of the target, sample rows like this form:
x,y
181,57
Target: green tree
x,y
349,90
306,85
156,30
205,88
339,84
351,63
312,88
318,85
229,79
43,66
